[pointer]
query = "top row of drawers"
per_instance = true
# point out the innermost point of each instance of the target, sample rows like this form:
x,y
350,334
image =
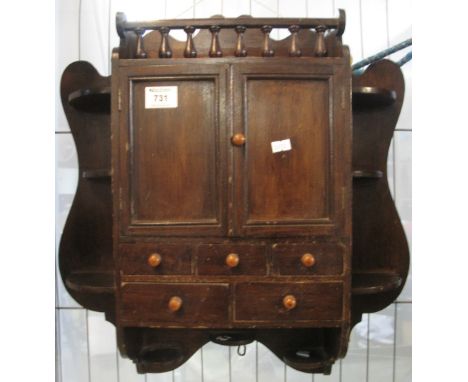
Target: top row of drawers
x,y
231,259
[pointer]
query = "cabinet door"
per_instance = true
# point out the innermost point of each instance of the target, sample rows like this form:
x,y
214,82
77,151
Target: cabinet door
x,y
172,178
292,173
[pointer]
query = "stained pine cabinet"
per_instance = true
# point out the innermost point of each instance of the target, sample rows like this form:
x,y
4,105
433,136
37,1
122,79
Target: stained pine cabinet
x,y
223,188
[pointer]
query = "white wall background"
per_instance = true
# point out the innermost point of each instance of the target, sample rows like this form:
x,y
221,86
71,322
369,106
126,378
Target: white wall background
x,y
380,347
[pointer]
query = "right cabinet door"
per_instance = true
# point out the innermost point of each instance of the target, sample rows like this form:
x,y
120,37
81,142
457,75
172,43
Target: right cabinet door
x,y
292,174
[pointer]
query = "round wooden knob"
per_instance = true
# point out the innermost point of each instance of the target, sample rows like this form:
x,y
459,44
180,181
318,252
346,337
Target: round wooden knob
x,y
308,260
154,260
175,303
289,302
232,260
238,139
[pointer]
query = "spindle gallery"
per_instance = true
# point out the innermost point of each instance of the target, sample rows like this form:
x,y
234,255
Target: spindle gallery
x,y
233,188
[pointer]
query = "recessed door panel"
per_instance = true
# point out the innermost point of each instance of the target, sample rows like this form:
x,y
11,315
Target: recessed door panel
x,y
175,177
174,154
285,178
287,135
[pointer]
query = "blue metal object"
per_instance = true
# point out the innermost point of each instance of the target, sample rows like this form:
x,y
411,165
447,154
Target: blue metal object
x,y
358,68
407,57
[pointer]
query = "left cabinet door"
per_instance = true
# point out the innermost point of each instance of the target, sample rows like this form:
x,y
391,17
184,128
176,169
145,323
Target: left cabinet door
x,y
170,176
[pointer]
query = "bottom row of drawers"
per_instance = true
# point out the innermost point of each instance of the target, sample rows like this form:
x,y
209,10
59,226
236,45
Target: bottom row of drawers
x,y
213,304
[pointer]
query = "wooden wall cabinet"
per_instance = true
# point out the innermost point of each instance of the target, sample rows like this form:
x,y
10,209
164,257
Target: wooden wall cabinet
x,y
216,198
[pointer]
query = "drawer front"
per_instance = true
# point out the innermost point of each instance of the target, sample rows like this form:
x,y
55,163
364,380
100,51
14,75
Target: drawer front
x,y
265,301
231,259
200,304
141,259
308,259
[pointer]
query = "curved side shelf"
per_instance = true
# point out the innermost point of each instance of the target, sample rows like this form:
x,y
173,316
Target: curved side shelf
x,y
380,258
373,282
364,174
90,281
96,174
371,96
91,100
85,252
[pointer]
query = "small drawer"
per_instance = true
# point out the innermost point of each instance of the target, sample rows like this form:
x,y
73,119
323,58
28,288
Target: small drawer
x,y
231,259
308,259
286,302
201,304
155,259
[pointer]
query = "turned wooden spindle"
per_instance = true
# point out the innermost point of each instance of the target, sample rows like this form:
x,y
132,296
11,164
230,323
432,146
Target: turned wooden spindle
x,y
154,260
240,48
140,50
320,49
190,51
267,51
294,50
289,302
232,260
175,303
165,49
215,48
308,260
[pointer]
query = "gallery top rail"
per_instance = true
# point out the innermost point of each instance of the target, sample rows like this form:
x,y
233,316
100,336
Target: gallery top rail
x,y
315,32
337,24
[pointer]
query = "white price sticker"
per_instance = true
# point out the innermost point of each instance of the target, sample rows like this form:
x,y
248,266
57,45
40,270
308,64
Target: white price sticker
x,y
279,146
161,97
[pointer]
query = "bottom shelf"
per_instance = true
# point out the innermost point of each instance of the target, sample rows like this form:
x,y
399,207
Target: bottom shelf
x,y
164,356
232,338
308,359
91,281
372,282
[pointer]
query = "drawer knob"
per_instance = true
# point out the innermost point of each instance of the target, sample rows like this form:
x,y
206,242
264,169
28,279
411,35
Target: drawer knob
x,y
175,303
238,139
289,302
308,260
232,260
154,260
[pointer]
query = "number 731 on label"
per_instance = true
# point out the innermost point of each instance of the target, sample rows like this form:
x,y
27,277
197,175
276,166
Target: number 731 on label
x,y
161,97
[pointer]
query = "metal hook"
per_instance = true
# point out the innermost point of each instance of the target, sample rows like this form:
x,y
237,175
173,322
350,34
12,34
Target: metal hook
x,y
241,352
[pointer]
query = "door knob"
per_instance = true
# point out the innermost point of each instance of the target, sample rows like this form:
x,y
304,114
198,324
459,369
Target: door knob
x,y
308,260
154,260
238,139
232,260
175,303
289,302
